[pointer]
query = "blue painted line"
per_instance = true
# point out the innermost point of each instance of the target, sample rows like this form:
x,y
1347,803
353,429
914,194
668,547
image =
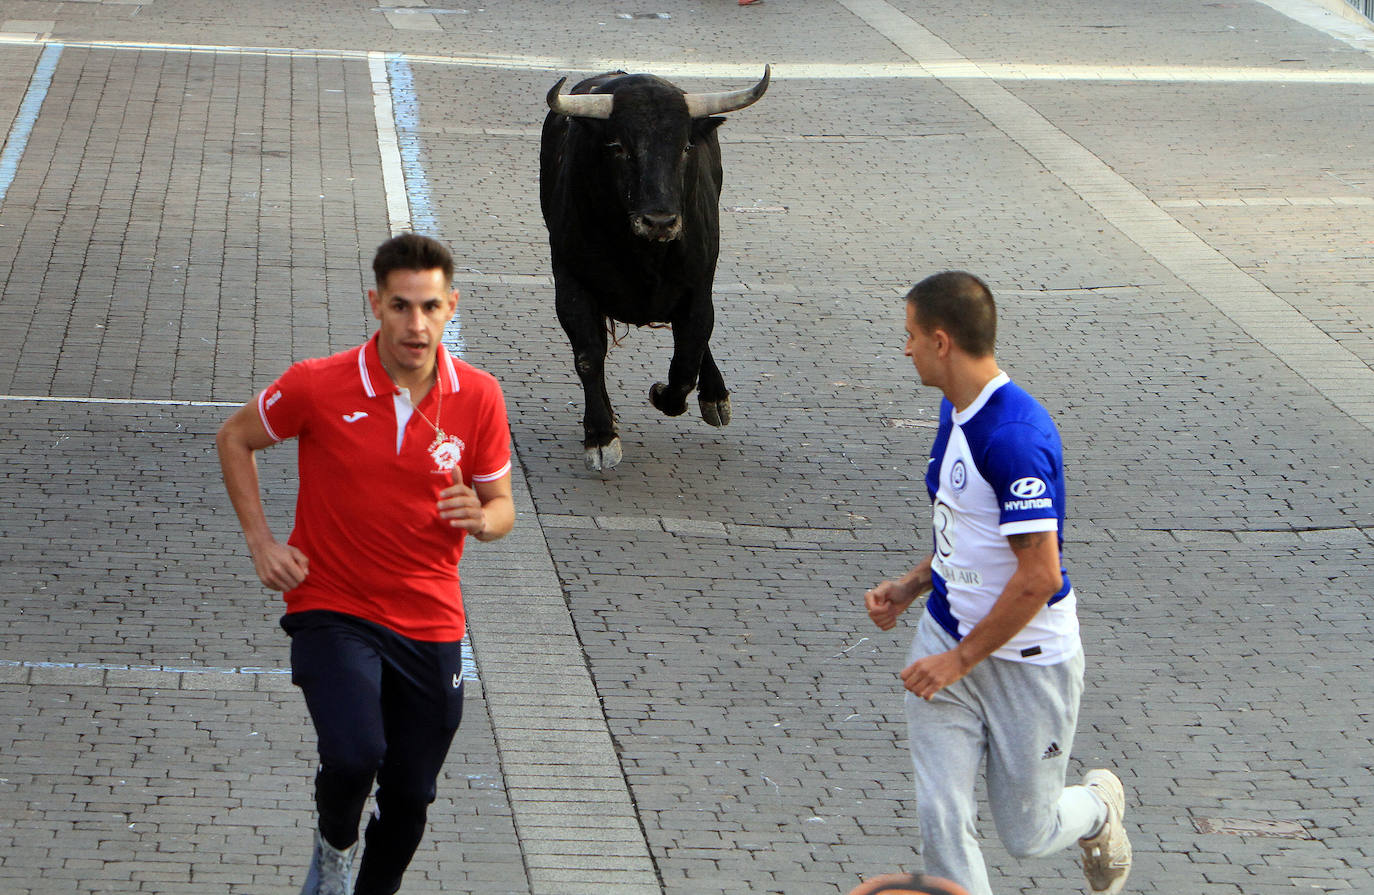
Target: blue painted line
x,y
406,110
406,107
18,139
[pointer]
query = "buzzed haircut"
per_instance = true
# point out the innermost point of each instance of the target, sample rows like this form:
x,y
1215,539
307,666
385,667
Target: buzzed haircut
x,y
960,304
411,251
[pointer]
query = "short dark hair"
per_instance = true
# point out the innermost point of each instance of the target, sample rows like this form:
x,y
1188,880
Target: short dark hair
x,y
960,304
411,251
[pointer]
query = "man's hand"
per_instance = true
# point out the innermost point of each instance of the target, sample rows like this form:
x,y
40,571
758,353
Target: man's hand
x,y
887,601
930,674
462,508
280,566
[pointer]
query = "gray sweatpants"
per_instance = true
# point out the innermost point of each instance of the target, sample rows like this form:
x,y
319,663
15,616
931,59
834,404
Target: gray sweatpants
x,y
1021,719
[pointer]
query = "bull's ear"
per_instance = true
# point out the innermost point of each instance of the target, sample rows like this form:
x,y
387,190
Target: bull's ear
x,y
702,127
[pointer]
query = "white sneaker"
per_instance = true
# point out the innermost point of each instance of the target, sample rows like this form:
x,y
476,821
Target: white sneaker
x,y
1107,856
330,869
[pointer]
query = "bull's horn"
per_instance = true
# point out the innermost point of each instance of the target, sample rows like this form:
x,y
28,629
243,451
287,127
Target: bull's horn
x,y
579,105
700,105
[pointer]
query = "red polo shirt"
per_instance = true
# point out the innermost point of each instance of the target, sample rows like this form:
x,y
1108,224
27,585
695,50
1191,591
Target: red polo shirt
x,y
366,514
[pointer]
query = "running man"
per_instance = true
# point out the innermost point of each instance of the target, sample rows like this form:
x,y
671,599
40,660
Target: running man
x,y
995,670
404,452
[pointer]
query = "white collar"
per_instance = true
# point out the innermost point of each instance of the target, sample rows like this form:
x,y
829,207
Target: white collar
x,y
996,382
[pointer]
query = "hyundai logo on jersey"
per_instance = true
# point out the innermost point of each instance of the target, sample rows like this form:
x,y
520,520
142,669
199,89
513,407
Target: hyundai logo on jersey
x,y
1027,488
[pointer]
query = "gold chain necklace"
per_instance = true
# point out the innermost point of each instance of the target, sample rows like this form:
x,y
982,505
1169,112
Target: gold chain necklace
x,y
440,435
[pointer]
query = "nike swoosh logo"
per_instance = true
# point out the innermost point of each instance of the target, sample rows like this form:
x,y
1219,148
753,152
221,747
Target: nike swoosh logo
x,y
354,416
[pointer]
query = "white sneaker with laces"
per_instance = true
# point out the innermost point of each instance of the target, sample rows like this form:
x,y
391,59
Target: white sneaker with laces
x,y
1107,856
330,869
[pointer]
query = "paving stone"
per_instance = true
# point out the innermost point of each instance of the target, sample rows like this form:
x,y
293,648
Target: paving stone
x,y
183,225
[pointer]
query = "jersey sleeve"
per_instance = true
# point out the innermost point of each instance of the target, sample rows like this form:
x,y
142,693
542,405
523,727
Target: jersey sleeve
x,y
285,404
1023,464
491,459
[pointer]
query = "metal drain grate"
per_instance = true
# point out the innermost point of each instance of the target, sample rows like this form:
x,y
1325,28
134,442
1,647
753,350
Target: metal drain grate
x,y
1236,826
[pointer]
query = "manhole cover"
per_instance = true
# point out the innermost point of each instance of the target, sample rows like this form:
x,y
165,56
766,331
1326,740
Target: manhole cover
x,y
755,209
1237,826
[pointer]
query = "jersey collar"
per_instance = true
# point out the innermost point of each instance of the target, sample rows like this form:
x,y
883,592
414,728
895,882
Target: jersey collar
x,y
996,382
375,380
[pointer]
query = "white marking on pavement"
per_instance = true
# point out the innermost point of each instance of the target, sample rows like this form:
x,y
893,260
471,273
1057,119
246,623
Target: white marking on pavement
x,y
1234,201
157,669
129,401
801,71
389,146
1324,363
65,672
412,20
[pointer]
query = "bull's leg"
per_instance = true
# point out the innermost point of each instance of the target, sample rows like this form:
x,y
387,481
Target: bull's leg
x,y
712,395
690,352
671,399
586,331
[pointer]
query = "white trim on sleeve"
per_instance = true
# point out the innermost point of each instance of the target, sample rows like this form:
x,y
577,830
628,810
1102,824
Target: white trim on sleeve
x,y
1026,526
262,414
493,476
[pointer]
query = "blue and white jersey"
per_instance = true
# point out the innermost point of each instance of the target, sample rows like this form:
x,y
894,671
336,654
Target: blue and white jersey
x,y
997,470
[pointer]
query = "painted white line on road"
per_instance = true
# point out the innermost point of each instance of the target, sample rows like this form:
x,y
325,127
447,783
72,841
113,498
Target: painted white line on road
x,y
1236,201
157,669
801,71
18,139
1326,365
80,672
389,146
152,402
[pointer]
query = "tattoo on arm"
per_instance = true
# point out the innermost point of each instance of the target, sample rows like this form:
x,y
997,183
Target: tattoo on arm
x,y
1028,539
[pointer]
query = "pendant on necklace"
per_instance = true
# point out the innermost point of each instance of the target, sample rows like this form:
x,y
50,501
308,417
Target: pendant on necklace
x,y
446,450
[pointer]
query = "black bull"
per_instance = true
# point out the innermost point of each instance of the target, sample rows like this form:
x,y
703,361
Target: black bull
x,y
629,183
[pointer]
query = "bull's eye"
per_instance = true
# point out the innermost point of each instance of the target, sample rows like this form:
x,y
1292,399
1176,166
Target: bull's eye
x,y
616,147
689,147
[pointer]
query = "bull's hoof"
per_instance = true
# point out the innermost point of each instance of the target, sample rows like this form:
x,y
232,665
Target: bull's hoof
x,y
717,413
607,456
656,399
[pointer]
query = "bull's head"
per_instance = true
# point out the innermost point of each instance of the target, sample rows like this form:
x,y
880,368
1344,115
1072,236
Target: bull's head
x,y
650,131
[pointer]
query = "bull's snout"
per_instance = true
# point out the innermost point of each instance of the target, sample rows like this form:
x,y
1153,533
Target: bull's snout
x,y
657,225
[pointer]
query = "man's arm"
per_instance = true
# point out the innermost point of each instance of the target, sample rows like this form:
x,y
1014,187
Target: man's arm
x,y
1038,577
486,510
891,598
279,566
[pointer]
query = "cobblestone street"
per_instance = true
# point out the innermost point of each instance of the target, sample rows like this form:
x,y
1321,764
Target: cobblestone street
x,y
674,687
